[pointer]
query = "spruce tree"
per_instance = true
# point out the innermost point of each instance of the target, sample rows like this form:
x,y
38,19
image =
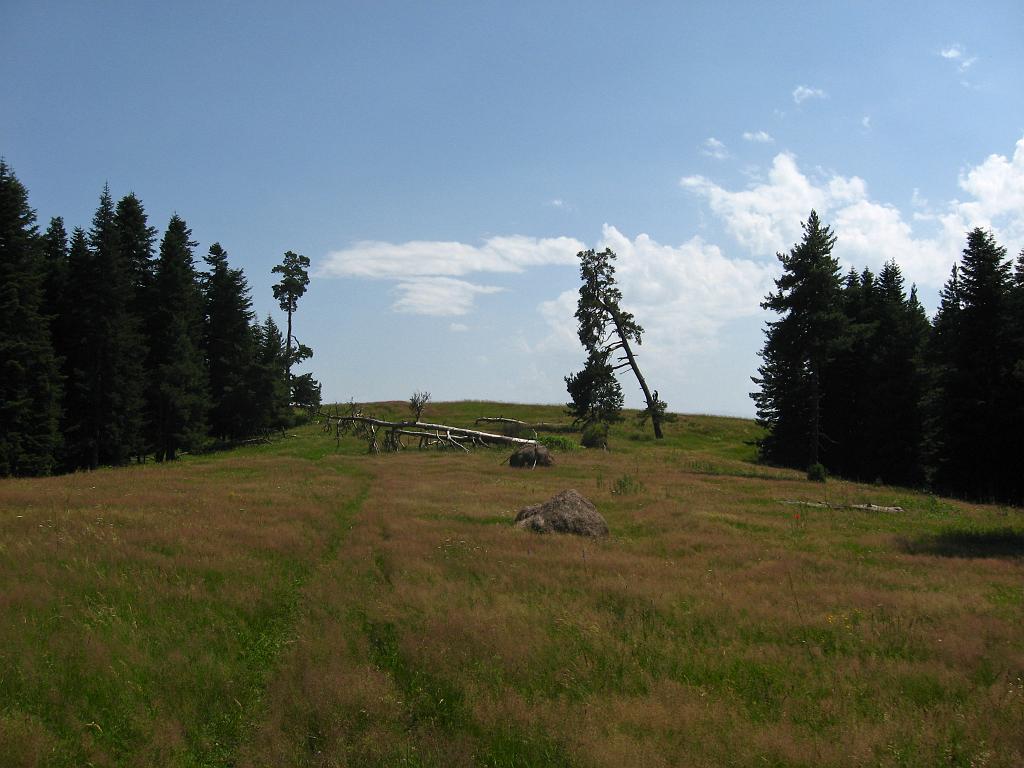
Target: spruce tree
x,y
178,387
230,349
798,348
894,425
105,365
972,452
29,374
270,392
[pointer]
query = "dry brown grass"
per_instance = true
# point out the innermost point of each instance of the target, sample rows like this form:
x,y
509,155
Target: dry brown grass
x,y
716,626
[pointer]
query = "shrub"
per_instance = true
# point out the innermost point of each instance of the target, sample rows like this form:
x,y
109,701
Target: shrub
x,y
817,473
557,443
627,485
595,435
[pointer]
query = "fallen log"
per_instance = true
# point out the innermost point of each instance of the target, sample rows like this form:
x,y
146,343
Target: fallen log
x,y
429,434
536,426
827,505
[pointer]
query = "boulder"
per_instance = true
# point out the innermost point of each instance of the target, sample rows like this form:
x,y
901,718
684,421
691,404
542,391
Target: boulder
x,y
568,512
530,456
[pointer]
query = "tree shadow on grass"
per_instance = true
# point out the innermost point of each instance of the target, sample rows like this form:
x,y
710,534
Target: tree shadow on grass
x,y
1001,542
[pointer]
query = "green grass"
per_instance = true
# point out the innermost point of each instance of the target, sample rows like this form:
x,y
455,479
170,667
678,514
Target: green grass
x,y
304,603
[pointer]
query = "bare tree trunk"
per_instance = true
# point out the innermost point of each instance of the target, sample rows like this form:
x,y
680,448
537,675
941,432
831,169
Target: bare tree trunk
x,y
631,359
288,358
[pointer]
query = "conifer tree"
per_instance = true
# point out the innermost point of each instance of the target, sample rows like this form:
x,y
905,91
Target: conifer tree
x,y
178,388
270,392
105,365
294,271
972,453
595,392
229,347
605,328
29,374
798,348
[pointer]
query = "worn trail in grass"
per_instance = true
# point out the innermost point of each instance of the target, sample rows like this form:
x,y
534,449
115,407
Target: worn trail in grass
x,y
357,610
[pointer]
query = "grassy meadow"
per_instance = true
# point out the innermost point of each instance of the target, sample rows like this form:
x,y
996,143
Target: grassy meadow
x,y
305,604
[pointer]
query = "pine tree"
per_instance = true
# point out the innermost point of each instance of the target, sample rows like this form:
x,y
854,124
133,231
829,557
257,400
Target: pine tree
x,y
229,347
29,374
294,279
798,348
178,388
971,451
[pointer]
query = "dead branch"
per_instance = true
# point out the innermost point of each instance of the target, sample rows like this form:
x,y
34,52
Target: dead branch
x,y
536,426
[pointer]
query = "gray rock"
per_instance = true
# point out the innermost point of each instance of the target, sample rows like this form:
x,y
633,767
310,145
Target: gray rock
x,y
568,512
530,456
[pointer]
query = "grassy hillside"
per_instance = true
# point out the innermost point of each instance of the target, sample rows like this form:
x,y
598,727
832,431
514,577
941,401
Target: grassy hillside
x,y
303,603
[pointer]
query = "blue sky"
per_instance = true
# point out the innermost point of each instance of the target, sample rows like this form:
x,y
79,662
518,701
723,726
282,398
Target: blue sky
x,y
442,163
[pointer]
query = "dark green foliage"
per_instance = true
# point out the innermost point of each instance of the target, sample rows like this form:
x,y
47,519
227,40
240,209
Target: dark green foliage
x,y
230,349
817,473
606,328
294,271
798,348
973,453
29,374
872,417
178,387
595,392
595,435
306,392
270,393
104,365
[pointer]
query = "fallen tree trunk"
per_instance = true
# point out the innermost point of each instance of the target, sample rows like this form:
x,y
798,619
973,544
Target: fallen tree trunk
x,y
430,435
827,505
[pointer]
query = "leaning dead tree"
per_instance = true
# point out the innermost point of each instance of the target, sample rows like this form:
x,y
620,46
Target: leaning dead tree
x,y
606,329
390,436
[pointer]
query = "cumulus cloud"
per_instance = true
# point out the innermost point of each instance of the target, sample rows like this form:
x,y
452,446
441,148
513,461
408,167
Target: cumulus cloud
x,y
802,93
382,260
766,216
758,137
683,294
438,296
715,148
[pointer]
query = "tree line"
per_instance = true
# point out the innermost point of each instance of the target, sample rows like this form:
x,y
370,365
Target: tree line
x,y
114,348
856,379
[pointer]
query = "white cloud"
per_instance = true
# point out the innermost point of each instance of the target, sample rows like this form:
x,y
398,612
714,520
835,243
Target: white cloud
x,y
802,93
458,327
557,203
865,122
683,295
715,148
376,259
758,137
956,53
438,296
766,216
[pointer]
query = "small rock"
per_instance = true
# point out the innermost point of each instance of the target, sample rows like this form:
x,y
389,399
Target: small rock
x,y
568,512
